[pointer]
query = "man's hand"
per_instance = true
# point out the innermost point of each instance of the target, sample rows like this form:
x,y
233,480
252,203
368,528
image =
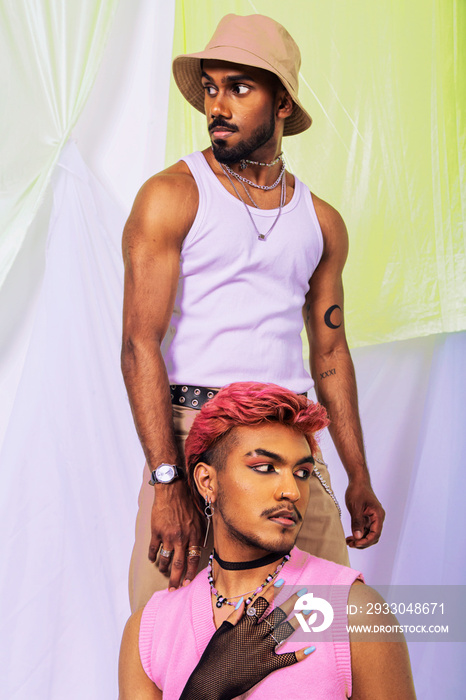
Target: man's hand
x,y
176,525
367,515
242,652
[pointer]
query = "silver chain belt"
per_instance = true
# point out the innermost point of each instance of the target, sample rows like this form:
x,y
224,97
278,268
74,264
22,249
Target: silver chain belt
x,y
325,485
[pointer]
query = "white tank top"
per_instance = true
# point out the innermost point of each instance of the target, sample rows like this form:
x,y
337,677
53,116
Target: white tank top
x,y
238,308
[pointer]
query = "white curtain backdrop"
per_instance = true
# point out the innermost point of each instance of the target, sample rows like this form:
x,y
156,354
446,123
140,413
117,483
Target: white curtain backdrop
x,y
70,462
411,396
52,51
70,459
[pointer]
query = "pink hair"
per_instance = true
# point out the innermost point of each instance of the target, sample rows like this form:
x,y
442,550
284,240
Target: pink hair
x,y
249,403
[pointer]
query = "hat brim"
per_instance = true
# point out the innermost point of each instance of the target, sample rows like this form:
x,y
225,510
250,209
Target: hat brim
x,y
187,74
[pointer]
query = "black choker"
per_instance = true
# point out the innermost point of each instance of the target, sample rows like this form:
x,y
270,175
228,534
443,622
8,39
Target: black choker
x,y
254,564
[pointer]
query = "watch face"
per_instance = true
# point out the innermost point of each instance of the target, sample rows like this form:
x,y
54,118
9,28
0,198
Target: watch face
x,y
165,473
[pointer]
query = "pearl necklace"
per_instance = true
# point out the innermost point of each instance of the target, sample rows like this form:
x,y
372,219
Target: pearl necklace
x,y
221,600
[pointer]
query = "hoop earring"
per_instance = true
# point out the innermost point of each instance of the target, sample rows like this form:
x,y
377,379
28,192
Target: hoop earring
x,y
208,512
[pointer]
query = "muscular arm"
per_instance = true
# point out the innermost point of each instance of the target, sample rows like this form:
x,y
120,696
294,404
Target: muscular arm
x,y
333,373
159,221
380,665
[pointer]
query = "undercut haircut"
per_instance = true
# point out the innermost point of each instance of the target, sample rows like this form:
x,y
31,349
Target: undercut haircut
x,y
246,404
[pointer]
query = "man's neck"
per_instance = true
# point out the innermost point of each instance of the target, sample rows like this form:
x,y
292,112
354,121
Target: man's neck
x,y
261,175
232,584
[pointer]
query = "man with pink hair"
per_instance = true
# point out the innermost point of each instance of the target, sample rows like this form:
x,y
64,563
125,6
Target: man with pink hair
x,y
250,460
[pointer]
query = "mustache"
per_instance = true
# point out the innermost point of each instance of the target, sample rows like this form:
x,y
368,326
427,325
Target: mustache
x,y
278,509
218,121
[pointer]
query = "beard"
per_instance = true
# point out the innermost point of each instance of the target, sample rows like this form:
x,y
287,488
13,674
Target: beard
x,y
251,539
233,154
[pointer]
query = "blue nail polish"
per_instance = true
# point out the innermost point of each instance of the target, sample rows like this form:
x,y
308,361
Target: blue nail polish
x,y
279,583
309,650
307,612
239,602
301,592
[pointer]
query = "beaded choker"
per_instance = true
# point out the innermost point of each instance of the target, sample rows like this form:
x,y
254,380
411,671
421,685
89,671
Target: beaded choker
x,y
222,600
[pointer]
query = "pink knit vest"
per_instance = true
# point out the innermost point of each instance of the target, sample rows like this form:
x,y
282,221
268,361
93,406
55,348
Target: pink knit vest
x,y
176,627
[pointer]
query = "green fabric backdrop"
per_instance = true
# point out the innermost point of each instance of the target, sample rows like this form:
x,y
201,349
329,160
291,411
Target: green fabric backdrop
x,y
386,86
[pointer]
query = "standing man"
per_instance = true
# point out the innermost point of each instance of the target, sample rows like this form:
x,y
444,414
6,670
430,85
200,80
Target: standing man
x,y
224,251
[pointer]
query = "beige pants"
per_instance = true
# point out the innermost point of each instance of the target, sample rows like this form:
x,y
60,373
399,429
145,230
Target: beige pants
x,y
321,533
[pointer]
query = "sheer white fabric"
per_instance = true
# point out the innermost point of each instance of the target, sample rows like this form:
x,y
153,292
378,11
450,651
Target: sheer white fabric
x,y
70,462
52,51
411,395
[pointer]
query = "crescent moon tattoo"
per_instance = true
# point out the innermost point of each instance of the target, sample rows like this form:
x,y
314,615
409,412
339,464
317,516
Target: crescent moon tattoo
x,y
328,320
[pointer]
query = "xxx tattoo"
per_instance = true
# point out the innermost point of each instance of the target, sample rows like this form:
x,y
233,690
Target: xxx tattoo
x,y
328,373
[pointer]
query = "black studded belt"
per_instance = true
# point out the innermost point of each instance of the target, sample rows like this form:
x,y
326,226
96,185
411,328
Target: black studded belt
x,y
191,396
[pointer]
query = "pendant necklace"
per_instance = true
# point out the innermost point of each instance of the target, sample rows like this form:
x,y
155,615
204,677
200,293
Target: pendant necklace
x,y
282,178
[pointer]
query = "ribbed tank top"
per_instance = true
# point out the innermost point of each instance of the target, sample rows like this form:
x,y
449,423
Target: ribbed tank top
x,y
238,308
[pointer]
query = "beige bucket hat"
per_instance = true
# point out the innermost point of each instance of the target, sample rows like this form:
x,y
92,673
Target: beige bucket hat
x,y
252,40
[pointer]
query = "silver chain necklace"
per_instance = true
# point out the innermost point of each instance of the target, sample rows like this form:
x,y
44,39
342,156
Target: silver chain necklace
x,y
244,162
260,236
249,195
266,188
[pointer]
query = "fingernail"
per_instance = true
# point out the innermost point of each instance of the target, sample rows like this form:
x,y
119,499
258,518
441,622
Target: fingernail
x,y
186,582
279,583
309,650
238,604
170,590
307,612
301,592
358,534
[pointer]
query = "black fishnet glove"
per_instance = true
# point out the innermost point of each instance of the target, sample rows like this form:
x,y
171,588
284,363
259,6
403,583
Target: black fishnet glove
x,y
239,656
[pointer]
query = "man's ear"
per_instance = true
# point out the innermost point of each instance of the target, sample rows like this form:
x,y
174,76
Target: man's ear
x,y
205,477
285,104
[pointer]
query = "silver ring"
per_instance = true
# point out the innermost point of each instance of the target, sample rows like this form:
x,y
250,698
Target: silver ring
x,y
251,612
275,639
166,553
269,623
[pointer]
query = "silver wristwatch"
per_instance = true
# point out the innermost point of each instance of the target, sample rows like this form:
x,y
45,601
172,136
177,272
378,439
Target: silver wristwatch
x,y
164,474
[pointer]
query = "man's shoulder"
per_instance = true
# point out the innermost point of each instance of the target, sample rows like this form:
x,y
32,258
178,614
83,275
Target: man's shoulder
x,y
329,217
169,600
334,232
175,180
167,603
167,202
327,571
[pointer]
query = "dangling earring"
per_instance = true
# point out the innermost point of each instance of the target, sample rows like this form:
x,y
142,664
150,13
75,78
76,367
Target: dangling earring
x,y
208,512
